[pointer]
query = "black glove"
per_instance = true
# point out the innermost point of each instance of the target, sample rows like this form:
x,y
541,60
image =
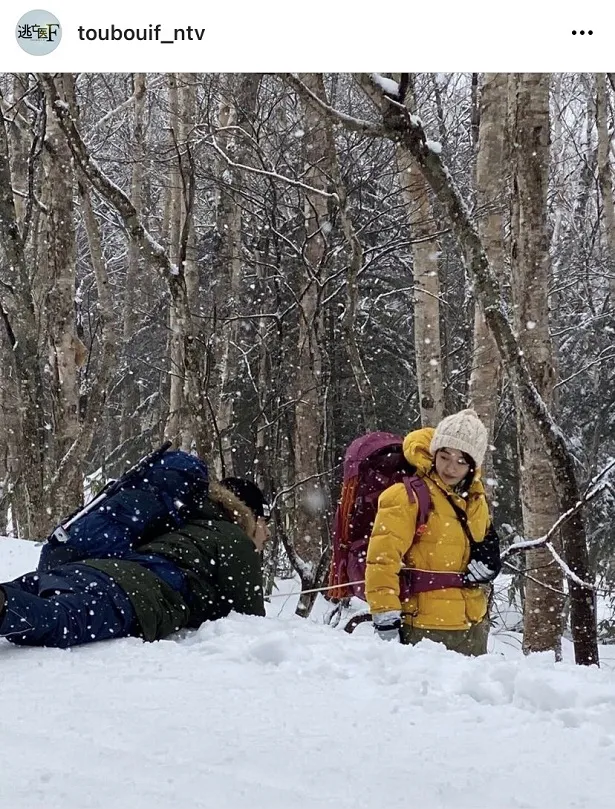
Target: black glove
x,y
485,563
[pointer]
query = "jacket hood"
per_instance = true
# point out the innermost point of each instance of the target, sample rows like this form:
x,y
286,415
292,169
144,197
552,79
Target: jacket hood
x,y
236,510
416,451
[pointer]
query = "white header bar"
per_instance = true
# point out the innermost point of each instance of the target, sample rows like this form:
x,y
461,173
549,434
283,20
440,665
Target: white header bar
x,y
312,35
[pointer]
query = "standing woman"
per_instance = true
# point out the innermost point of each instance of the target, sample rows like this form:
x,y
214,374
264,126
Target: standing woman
x,y
457,539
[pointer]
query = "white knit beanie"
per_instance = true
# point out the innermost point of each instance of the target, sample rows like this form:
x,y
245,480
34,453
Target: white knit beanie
x,y
463,431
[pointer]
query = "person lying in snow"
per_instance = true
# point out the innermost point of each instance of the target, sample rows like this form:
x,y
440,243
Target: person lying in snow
x,y
200,572
458,538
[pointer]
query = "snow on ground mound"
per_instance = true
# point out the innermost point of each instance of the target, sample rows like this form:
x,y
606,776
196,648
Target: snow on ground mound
x,y
17,556
278,712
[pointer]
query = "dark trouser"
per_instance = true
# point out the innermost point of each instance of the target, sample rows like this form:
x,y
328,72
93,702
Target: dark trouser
x,y
471,642
70,605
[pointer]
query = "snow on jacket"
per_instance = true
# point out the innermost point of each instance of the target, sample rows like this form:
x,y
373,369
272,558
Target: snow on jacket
x,y
443,546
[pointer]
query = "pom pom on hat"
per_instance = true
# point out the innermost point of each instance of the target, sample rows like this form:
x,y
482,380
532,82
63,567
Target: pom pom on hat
x,y
462,431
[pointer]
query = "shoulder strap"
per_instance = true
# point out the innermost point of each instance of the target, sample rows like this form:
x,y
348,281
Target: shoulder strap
x,y
461,516
417,490
108,490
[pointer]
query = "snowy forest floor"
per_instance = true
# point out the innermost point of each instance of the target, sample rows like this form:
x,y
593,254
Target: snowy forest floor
x,y
281,712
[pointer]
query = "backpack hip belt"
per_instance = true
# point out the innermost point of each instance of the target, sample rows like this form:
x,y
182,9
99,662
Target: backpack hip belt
x,y
412,581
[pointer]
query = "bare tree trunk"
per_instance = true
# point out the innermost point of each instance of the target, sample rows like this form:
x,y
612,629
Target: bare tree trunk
x,y
602,383
367,400
228,285
359,372
66,351
181,424
14,491
66,475
239,101
491,198
425,253
605,178
425,249
17,312
308,428
129,422
531,275
188,248
19,150
173,220
8,423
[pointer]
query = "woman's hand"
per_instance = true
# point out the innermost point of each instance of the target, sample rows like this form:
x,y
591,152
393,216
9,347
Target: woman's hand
x,y
479,573
387,625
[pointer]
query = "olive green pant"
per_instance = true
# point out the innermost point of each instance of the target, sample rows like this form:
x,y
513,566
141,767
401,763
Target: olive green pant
x,y
471,642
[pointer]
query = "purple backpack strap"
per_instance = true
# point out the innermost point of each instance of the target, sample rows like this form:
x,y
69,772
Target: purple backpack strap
x,y
417,490
421,581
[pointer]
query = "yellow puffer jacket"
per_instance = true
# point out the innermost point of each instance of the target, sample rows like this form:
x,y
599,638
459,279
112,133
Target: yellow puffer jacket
x,y
443,546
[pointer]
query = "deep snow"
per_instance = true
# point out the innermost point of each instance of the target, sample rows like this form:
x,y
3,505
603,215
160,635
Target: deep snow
x,y
279,712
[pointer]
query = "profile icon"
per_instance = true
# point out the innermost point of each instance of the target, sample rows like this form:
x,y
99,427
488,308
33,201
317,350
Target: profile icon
x,y
38,32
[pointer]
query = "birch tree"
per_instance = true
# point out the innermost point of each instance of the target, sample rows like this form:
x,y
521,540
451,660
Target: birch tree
x,y
235,110
175,220
158,258
130,426
66,351
14,493
20,328
492,194
531,273
425,252
308,423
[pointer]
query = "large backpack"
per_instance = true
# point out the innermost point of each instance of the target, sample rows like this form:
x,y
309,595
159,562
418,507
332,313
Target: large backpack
x,y
372,463
159,493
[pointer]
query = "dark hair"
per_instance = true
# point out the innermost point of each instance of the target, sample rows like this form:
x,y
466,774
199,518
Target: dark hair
x,y
465,483
249,493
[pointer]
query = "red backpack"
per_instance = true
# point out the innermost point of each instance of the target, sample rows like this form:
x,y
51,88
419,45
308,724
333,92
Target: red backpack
x,y
372,463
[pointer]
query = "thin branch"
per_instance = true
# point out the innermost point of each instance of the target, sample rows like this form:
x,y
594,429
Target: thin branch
x,y
106,187
523,572
298,483
604,358
349,121
272,174
567,572
593,489
138,92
